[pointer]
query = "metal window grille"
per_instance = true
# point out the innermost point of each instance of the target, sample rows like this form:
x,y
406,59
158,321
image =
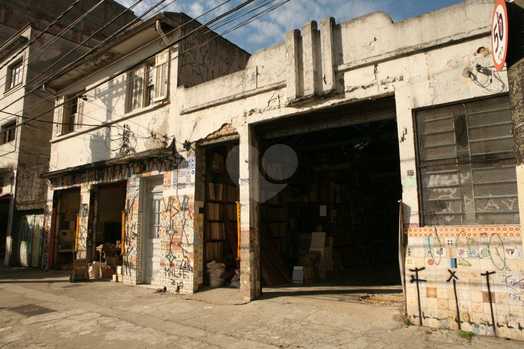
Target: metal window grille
x,y
466,163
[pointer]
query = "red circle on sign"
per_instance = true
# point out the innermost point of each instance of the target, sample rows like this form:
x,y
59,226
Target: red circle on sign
x,y
499,34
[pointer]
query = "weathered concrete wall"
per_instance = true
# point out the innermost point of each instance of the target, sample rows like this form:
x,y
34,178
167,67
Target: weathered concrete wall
x,y
205,55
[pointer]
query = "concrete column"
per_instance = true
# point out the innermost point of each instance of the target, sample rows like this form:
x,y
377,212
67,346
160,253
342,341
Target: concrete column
x,y
48,248
249,200
200,195
407,152
132,244
294,70
83,215
311,53
10,222
516,91
327,55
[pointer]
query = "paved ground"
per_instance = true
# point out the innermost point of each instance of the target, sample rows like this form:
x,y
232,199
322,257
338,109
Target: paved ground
x,y
45,311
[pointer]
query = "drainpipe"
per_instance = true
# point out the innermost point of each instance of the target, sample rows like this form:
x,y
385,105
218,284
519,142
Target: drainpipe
x,y
163,36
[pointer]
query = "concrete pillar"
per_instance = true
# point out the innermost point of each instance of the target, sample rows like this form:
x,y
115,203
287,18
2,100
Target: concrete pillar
x,y
407,153
311,59
48,249
83,221
132,273
516,91
10,221
250,287
327,55
294,65
200,195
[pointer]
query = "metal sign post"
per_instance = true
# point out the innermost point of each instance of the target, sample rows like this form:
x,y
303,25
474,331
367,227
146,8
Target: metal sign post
x,y
487,274
454,278
417,280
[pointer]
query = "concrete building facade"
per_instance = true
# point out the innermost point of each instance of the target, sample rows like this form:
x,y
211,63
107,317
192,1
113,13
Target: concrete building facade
x,y
298,156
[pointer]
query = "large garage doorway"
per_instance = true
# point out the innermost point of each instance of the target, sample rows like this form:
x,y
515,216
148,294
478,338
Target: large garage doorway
x,y
329,201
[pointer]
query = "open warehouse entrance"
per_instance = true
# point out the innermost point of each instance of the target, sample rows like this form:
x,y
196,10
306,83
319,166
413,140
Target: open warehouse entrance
x,y
330,185
106,217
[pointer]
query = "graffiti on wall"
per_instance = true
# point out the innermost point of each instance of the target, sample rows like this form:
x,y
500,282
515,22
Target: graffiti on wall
x,y
176,214
81,239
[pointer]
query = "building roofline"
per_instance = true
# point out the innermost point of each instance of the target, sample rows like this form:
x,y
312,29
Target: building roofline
x,y
16,39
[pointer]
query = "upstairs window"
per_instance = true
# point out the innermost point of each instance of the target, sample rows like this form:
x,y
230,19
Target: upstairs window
x,y
148,83
7,132
14,75
72,114
466,164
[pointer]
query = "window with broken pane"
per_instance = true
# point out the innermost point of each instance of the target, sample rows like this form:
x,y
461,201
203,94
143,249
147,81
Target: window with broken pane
x,y
466,163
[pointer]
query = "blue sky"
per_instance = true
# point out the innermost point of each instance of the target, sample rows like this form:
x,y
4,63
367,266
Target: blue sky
x,y
269,29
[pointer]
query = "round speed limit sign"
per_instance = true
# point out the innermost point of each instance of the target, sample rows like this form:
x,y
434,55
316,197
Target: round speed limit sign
x,y
499,34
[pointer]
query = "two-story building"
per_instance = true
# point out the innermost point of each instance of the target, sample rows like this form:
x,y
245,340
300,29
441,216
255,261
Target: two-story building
x,y
113,148
25,58
203,158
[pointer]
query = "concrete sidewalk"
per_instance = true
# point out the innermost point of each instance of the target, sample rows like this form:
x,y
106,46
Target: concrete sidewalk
x,y
44,310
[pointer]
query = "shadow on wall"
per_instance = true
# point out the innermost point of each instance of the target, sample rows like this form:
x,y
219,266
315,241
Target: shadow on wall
x,y
28,240
100,145
109,95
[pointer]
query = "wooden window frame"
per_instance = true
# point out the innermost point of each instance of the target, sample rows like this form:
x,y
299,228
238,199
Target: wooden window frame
x,y
153,84
8,132
14,75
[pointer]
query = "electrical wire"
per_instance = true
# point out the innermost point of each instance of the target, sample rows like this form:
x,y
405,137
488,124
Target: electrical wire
x,y
49,26
91,36
132,52
249,20
123,12
85,55
56,37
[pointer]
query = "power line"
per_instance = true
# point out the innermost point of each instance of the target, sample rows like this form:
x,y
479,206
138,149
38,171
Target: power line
x,y
131,23
135,50
73,5
58,36
91,36
101,44
177,41
249,20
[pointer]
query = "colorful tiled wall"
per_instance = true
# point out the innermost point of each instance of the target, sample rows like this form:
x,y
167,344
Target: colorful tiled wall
x,y
467,252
